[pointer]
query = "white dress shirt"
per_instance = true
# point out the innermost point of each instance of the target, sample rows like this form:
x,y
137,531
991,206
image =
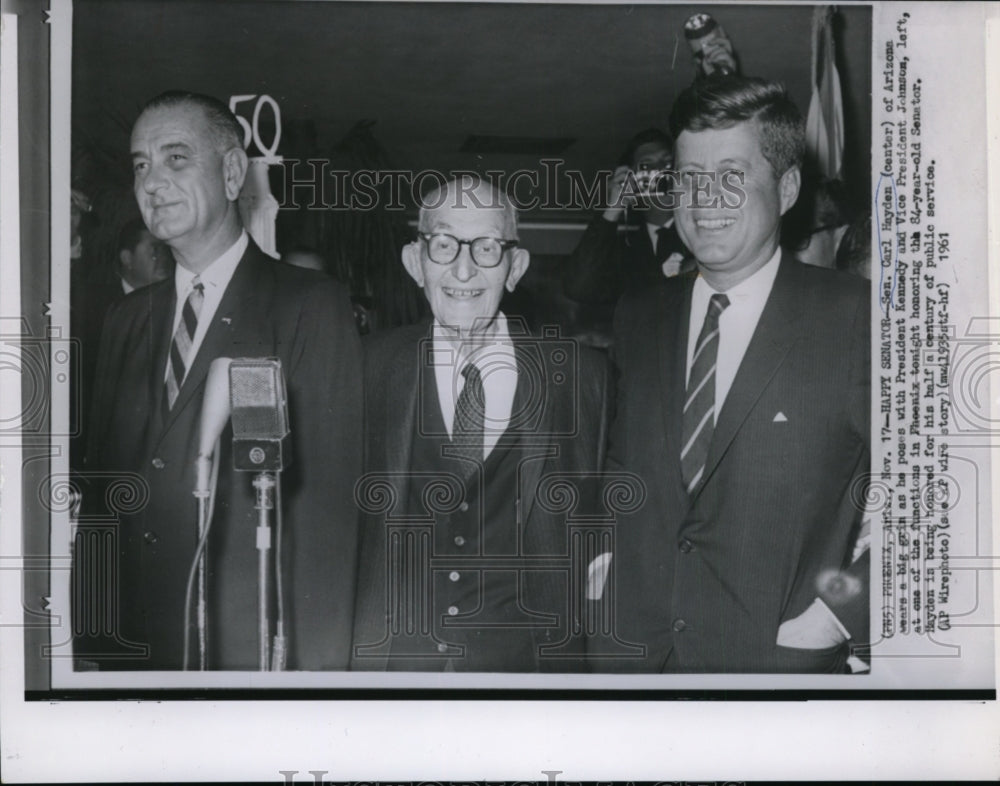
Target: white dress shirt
x,y
736,324
497,364
215,278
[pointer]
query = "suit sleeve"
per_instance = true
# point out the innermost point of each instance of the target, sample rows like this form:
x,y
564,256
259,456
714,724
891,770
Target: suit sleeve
x,y
101,395
847,595
853,611
325,407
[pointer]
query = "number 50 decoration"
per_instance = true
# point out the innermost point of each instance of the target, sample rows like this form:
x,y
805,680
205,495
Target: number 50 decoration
x,y
258,207
251,129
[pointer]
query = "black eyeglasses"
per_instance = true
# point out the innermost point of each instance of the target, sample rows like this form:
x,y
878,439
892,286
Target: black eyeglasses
x,y
486,251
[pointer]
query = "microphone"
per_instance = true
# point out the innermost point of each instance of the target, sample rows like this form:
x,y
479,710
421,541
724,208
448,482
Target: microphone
x,y
214,416
261,436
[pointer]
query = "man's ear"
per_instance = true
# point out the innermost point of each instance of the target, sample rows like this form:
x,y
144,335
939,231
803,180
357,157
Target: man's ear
x,y
788,188
413,263
519,260
234,171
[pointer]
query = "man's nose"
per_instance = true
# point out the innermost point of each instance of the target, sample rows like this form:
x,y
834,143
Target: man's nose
x,y
154,179
465,266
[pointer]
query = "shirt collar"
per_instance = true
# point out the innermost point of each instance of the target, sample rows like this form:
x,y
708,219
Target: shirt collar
x,y
217,274
501,336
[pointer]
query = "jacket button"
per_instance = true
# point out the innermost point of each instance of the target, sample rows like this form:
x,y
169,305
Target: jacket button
x,y
452,611
453,575
158,463
459,540
464,507
442,647
679,625
150,537
685,546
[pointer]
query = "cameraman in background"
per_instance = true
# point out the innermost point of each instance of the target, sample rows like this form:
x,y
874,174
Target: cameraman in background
x,y
607,262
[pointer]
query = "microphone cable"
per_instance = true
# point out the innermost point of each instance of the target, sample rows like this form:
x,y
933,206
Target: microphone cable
x,y
206,509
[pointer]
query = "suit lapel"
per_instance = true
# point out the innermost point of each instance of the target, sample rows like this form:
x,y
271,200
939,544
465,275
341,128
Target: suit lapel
x,y
162,307
672,335
391,421
401,398
775,334
230,328
531,470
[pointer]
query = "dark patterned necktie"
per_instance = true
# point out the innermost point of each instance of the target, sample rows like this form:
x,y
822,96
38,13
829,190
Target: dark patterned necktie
x,y
470,416
180,347
699,401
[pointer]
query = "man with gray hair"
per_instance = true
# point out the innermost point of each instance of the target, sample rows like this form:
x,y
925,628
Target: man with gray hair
x,y
225,299
465,418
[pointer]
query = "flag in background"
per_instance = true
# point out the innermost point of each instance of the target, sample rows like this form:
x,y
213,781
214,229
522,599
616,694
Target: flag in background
x,y
825,122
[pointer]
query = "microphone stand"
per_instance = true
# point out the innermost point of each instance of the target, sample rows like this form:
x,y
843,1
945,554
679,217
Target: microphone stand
x,y
201,610
264,483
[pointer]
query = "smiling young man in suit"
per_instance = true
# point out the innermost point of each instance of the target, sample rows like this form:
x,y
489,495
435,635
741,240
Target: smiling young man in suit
x,y
743,403
468,419
226,299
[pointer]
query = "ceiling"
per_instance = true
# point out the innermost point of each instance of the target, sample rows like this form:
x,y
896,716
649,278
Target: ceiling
x,y
433,74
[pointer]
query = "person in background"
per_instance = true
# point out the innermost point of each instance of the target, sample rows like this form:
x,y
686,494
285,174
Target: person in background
x,y
815,227
632,243
142,259
854,254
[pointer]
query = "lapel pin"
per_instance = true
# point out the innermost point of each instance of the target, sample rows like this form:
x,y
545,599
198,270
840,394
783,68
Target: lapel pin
x,y
227,320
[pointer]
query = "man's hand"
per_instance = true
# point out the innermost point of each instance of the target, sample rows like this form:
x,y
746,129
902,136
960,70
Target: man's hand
x,y
617,202
717,56
816,628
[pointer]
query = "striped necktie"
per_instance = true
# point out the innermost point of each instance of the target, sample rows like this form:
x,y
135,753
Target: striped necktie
x,y
470,416
180,347
699,403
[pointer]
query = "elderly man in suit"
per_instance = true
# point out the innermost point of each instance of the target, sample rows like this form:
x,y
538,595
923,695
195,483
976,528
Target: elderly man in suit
x,y
468,418
226,299
743,403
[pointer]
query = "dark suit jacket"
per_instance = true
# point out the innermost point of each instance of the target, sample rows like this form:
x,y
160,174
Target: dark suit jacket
x,y
268,310
607,263
569,419
91,296
707,581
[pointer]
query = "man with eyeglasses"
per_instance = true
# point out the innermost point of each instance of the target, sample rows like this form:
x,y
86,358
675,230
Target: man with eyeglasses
x,y
468,419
